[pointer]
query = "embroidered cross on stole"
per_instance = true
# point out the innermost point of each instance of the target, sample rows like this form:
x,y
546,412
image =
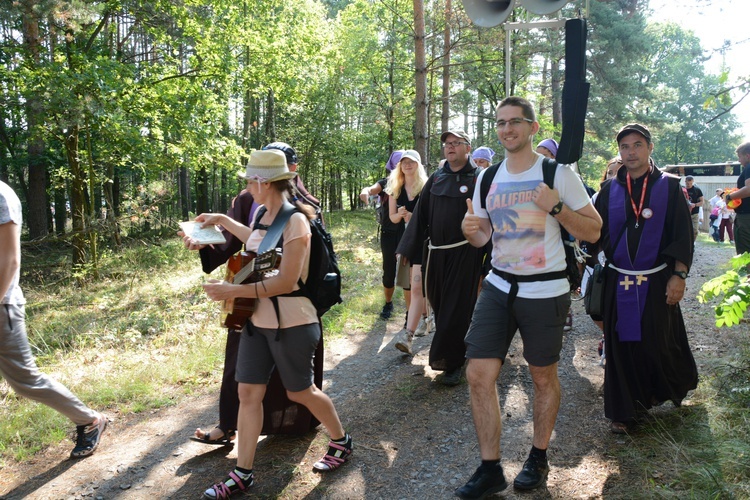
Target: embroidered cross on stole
x,y
632,290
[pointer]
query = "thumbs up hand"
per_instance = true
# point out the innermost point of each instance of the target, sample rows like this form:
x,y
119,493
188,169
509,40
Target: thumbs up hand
x,y
470,224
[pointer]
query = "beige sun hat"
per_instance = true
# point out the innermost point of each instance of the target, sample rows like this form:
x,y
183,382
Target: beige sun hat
x,y
267,166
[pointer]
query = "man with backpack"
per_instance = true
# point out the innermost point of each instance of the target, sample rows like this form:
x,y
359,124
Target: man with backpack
x,y
526,290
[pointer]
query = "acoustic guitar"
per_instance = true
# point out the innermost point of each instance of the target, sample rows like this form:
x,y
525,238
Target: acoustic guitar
x,y
243,268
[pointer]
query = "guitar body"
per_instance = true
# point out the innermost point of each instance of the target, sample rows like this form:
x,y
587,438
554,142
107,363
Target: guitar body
x,y
243,268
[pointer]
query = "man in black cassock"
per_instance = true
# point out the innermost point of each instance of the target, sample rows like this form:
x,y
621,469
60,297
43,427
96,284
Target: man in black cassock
x,y
452,267
647,237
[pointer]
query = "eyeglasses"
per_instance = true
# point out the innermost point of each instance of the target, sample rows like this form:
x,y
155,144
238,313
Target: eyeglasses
x,y
454,144
513,122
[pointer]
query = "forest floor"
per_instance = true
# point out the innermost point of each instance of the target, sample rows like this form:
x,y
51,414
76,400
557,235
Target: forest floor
x,y
413,438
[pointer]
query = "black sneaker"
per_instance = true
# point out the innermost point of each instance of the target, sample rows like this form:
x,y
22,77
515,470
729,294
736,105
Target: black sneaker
x,y
533,474
88,436
451,378
387,310
485,481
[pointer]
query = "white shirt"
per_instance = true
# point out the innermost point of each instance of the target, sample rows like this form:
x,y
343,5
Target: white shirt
x,y
526,240
10,212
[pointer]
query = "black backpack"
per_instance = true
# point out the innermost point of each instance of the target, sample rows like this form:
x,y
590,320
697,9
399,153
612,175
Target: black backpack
x,y
549,166
381,213
323,285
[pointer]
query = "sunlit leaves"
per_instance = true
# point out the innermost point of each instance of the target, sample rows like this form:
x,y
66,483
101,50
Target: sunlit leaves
x,y
732,290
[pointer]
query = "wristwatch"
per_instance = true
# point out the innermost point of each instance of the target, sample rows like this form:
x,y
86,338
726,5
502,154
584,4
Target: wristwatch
x,y
556,209
728,197
681,274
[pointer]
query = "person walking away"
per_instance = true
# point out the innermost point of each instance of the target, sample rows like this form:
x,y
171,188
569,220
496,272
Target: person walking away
x,y
17,364
526,290
647,240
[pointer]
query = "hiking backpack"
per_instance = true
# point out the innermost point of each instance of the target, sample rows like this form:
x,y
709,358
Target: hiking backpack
x,y
549,166
323,285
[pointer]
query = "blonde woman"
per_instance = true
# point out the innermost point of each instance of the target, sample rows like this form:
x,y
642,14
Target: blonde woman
x,y
404,187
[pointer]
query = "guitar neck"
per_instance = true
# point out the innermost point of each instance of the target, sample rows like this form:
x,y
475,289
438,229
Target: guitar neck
x,y
244,273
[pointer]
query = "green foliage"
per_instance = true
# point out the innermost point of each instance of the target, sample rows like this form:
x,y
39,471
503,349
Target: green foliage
x,y
732,289
178,93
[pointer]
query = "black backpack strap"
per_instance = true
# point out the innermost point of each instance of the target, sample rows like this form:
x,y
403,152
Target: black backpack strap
x,y
484,188
549,167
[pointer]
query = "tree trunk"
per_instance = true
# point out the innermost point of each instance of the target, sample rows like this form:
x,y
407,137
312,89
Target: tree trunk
x,y
109,199
271,117
420,73
77,196
480,119
201,191
92,218
445,115
556,93
61,209
184,193
36,198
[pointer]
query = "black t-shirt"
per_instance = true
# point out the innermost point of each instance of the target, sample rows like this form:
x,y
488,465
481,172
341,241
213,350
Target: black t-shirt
x,y
695,195
744,208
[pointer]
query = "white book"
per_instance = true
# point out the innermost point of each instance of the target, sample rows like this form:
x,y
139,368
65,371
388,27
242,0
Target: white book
x,y
209,235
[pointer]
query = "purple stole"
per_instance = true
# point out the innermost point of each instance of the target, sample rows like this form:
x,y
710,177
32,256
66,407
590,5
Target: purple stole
x,y
632,290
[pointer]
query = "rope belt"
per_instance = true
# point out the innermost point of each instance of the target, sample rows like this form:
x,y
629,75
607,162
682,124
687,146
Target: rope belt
x,y
638,273
447,247
430,248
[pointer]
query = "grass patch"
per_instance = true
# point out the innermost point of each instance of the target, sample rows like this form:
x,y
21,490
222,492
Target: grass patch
x,y
701,450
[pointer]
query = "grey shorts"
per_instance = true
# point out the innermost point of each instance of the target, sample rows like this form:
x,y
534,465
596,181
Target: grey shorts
x,y
540,322
292,355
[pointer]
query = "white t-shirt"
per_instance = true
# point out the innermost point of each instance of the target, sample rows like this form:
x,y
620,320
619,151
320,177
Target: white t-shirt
x,y
10,213
526,240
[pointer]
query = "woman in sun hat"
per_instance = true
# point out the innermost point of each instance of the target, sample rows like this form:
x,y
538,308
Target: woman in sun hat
x,y
285,339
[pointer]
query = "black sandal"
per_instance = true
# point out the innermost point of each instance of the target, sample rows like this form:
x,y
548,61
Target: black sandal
x,y
224,440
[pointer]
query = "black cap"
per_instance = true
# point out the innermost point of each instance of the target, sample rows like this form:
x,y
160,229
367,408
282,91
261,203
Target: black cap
x,y
291,154
634,127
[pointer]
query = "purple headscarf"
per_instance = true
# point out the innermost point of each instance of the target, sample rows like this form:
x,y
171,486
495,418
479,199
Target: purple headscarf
x,y
550,144
393,160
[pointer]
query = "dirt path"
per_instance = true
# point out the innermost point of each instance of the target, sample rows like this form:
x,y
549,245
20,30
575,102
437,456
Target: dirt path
x,y
413,437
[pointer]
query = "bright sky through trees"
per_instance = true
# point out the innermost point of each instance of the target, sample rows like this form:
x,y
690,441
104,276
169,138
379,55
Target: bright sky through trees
x,y
722,27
